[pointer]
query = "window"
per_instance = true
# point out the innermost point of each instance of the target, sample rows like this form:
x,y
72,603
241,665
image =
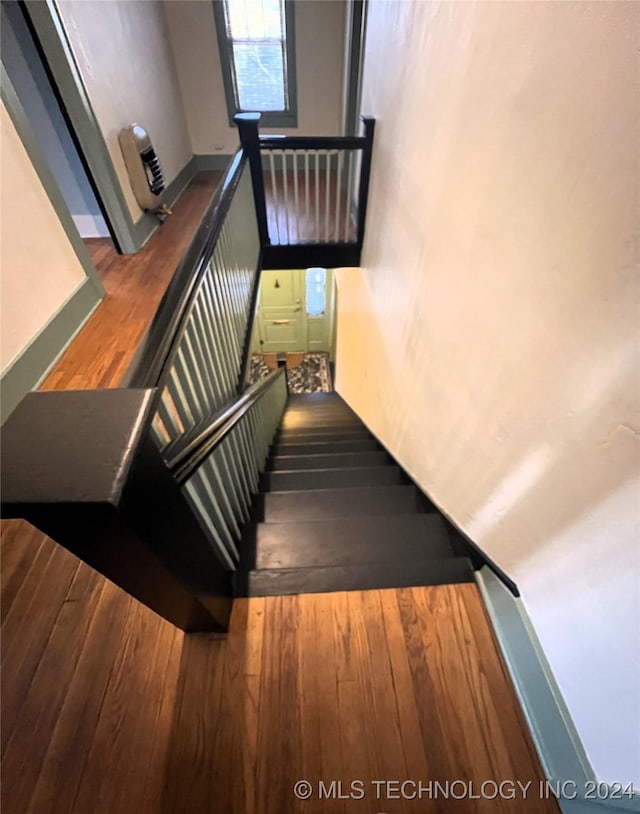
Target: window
x,y
257,53
316,298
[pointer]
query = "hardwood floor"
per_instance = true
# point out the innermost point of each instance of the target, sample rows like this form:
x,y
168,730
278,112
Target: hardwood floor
x,y
107,709
89,675
398,685
321,214
135,283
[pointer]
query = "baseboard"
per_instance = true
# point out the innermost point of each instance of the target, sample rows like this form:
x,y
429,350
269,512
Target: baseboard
x,y
148,223
37,359
212,161
582,806
555,737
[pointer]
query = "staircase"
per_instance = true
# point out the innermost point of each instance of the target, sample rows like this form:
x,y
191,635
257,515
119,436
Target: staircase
x,y
336,513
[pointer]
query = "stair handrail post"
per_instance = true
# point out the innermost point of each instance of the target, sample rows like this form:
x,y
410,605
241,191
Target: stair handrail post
x,y
365,171
247,124
84,468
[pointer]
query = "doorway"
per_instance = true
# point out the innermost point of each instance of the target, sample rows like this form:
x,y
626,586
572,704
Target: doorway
x,y
29,75
295,312
294,327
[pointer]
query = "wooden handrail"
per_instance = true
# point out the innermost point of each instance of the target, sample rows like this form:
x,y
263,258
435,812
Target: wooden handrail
x,y
155,349
312,142
189,458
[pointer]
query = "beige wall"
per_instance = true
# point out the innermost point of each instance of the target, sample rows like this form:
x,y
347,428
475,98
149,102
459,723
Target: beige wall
x,y
123,53
319,35
39,270
491,338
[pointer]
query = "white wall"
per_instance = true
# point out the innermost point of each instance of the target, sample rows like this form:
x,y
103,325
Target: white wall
x,y
123,54
491,338
319,37
40,269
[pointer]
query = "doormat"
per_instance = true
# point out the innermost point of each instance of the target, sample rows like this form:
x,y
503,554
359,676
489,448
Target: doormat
x,y
259,368
312,375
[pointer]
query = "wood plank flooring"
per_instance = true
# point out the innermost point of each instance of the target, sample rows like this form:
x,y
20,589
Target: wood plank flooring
x,y
135,283
107,709
397,685
88,675
321,215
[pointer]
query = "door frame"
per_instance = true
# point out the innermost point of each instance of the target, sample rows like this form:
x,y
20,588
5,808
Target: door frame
x,y
34,361
51,40
41,166
356,31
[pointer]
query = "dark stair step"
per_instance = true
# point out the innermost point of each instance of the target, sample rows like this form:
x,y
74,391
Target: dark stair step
x,y
319,447
329,414
304,479
316,398
315,423
320,504
358,541
318,406
330,410
333,460
280,582
322,434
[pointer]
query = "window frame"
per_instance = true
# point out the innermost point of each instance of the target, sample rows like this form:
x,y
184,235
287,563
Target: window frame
x,y
277,118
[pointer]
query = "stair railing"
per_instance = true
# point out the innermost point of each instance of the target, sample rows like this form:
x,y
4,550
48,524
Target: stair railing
x,y
196,349
311,194
220,470
150,483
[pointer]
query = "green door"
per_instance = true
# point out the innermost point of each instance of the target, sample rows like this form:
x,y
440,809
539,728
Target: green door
x,y
282,316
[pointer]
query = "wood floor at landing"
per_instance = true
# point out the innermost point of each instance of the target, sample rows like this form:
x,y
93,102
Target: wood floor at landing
x,y
365,695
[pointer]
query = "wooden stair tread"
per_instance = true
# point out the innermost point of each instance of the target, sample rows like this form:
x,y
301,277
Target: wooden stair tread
x,y
336,513
335,541
286,581
329,460
280,507
303,479
318,447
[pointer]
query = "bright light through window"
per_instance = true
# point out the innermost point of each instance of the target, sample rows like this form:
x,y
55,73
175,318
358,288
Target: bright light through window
x,y
256,33
316,288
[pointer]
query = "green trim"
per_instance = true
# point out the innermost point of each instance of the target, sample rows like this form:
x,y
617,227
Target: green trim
x,y
582,806
149,222
212,161
555,737
35,361
357,22
51,34
44,350
286,118
40,165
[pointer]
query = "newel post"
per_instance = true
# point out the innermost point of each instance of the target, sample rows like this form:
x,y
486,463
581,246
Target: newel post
x,y
365,171
247,124
82,466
